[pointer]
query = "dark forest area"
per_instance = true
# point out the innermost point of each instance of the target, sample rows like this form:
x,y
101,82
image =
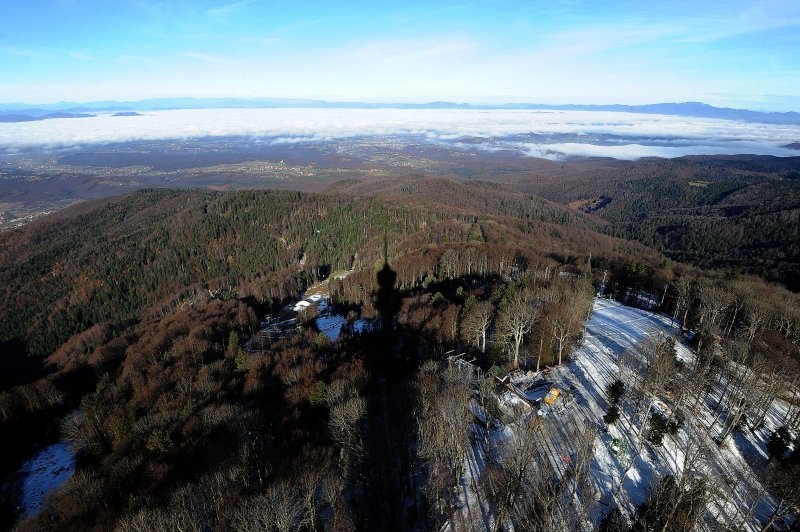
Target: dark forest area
x,y
730,213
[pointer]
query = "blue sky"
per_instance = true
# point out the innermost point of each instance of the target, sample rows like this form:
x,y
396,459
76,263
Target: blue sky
x,y
731,53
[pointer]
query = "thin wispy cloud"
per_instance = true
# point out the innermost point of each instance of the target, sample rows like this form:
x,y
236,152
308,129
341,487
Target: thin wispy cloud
x,y
12,50
74,54
259,40
151,8
131,59
44,51
228,8
405,51
755,18
205,57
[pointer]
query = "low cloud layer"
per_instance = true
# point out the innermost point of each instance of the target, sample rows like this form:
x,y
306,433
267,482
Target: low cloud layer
x,y
550,134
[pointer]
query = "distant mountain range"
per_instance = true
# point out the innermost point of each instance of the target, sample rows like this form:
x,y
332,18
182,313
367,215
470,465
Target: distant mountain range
x,y
34,115
20,117
20,112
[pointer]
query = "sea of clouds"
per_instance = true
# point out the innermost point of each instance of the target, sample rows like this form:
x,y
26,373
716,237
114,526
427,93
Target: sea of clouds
x,y
549,134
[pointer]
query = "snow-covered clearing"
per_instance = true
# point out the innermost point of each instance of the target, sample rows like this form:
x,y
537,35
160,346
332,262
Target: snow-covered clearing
x,y
331,323
43,473
317,298
623,479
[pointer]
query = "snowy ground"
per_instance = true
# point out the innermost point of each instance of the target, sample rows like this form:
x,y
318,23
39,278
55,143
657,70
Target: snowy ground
x,y
43,473
331,323
624,479
328,322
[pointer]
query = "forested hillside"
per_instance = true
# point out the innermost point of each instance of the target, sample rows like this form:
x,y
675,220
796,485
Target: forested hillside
x,y
195,398
737,212
108,263
109,260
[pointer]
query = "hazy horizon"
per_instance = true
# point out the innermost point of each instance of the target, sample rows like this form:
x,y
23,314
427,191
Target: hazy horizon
x,y
233,102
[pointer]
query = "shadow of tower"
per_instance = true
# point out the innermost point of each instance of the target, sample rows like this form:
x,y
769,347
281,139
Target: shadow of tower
x,y
387,298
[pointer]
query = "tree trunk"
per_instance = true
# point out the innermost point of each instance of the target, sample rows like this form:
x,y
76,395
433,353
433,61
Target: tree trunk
x,y
644,422
539,358
768,525
560,349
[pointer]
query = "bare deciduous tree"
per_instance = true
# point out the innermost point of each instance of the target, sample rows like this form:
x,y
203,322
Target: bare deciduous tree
x,y
683,302
782,480
646,369
515,481
714,300
448,263
516,317
475,321
443,419
279,508
347,409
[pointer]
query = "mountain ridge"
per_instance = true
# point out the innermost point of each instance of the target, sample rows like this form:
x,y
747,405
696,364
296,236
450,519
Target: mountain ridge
x,y
692,109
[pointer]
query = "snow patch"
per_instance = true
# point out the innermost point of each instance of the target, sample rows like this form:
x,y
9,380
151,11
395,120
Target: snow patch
x,y
45,472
